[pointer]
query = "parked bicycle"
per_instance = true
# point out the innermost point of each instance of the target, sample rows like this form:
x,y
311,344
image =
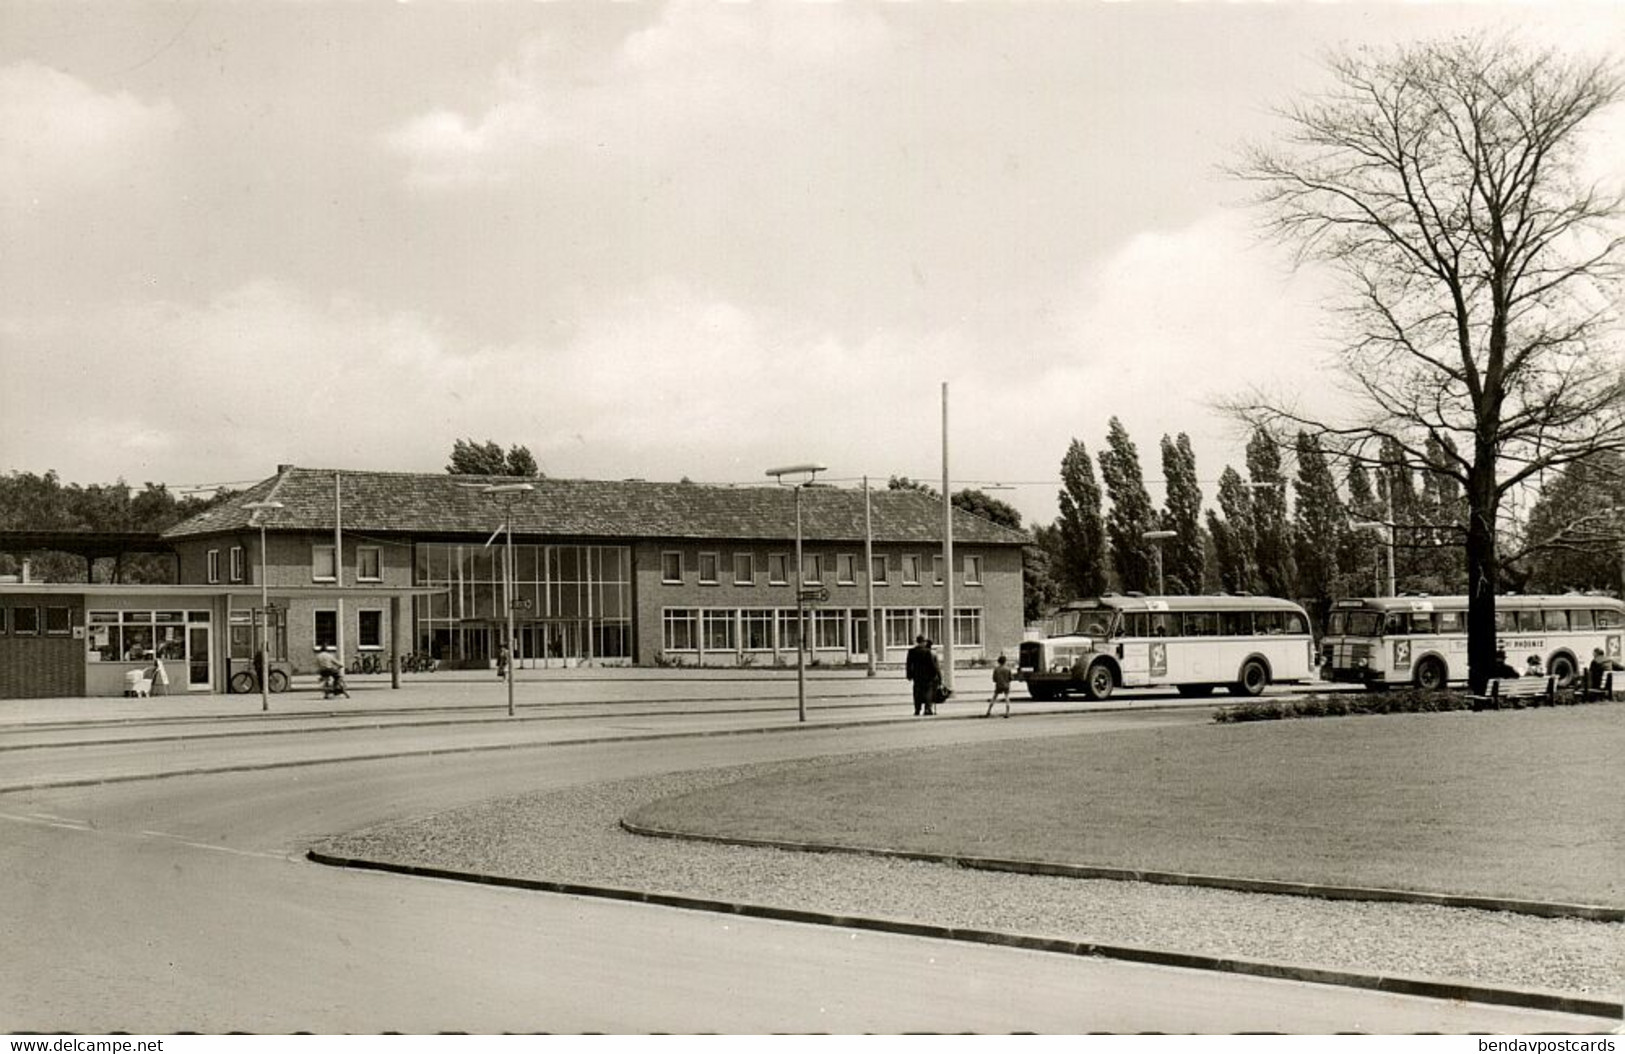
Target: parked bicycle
x,y
368,662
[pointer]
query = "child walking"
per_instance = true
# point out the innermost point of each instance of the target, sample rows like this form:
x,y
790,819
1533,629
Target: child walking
x,y
1001,687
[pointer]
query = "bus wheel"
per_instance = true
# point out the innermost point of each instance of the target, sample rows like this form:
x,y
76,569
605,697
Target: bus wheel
x,y
1430,675
1254,679
279,681
1193,691
1562,668
241,683
1098,682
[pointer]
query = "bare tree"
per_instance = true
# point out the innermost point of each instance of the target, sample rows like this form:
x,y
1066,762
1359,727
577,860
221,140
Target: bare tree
x,y
1441,181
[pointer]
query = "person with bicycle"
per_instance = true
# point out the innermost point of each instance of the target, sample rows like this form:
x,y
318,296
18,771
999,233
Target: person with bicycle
x,y
332,673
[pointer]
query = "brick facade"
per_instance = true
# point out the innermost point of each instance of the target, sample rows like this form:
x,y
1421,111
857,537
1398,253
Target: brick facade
x,y
42,664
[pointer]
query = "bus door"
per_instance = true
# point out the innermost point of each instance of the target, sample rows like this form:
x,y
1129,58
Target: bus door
x,y
1134,648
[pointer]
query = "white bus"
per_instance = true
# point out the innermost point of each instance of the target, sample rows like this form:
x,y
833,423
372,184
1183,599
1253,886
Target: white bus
x,y
1422,640
1194,644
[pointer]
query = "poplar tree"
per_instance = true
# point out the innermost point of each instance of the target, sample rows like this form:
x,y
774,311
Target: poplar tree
x,y
1080,564
1234,536
1132,513
1272,531
1321,523
1183,556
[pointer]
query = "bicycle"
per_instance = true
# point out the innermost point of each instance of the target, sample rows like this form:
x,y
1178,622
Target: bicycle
x,y
244,681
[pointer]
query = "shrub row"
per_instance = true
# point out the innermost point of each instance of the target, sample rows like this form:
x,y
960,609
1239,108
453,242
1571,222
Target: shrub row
x,y
1397,701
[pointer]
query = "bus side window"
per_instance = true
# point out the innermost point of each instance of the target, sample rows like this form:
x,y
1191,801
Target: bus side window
x,y
1269,623
1295,624
1235,624
1200,623
1421,622
1164,626
1503,621
1607,618
1557,621
1395,624
1134,624
1449,621
1580,618
1530,622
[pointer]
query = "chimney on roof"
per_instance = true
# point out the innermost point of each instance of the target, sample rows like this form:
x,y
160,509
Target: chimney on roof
x,y
280,469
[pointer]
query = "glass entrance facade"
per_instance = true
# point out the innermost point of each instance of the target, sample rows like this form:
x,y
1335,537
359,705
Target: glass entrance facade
x,y
570,602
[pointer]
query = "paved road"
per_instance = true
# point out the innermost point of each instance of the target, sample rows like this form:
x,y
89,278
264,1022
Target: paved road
x,y
184,904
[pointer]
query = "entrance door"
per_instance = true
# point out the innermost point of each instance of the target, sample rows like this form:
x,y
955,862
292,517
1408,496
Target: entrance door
x,y
197,659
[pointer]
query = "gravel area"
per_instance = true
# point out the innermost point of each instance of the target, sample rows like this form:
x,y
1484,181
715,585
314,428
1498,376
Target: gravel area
x,y
573,836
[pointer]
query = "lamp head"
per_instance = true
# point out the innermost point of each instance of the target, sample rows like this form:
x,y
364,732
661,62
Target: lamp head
x,y
809,470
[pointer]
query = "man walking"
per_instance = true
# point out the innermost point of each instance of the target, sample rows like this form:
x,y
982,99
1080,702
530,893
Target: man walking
x,y
923,672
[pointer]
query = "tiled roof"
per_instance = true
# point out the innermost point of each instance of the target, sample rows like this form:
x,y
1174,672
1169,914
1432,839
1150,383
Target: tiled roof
x,y
421,503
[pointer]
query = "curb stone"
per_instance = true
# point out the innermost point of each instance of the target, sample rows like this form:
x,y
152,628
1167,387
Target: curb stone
x,y
1540,908
1556,1002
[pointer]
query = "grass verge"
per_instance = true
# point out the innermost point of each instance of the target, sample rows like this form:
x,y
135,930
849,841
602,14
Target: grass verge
x,y
1523,804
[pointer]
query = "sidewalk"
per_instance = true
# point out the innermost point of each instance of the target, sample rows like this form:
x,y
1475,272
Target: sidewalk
x,y
482,692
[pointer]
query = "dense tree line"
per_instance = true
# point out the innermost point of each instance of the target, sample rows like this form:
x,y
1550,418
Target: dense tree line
x,y
33,502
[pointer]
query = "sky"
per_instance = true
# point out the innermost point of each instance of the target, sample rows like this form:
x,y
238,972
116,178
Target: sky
x,y
659,240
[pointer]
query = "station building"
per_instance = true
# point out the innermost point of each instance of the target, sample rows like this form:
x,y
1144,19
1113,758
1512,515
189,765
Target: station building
x,y
630,572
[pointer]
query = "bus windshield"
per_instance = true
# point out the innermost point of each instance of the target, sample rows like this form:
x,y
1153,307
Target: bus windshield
x,y
1355,623
1088,623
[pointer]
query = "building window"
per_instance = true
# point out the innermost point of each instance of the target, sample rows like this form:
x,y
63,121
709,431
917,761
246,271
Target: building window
x,y
370,631
708,568
681,631
58,622
973,570
778,569
719,630
236,563
25,622
789,628
756,629
911,570
899,627
744,569
325,628
967,627
931,625
846,569
829,629
322,565
936,569
877,570
369,563
812,568
214,566
671,568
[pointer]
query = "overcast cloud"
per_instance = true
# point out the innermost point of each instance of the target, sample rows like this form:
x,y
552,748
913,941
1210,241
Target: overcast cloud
x,y
655,240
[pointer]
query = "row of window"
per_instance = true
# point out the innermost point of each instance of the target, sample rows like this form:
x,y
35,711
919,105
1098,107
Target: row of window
x,y
1532,620
132,636
816,569
25,621
323,564
778,629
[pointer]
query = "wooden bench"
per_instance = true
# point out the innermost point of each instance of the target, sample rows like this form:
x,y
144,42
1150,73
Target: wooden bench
x,y
1500,688
1602,691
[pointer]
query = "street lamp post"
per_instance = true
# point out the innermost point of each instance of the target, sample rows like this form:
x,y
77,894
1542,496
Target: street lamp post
x,y
264,672
1156,538
810,470
1387,531
511,492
